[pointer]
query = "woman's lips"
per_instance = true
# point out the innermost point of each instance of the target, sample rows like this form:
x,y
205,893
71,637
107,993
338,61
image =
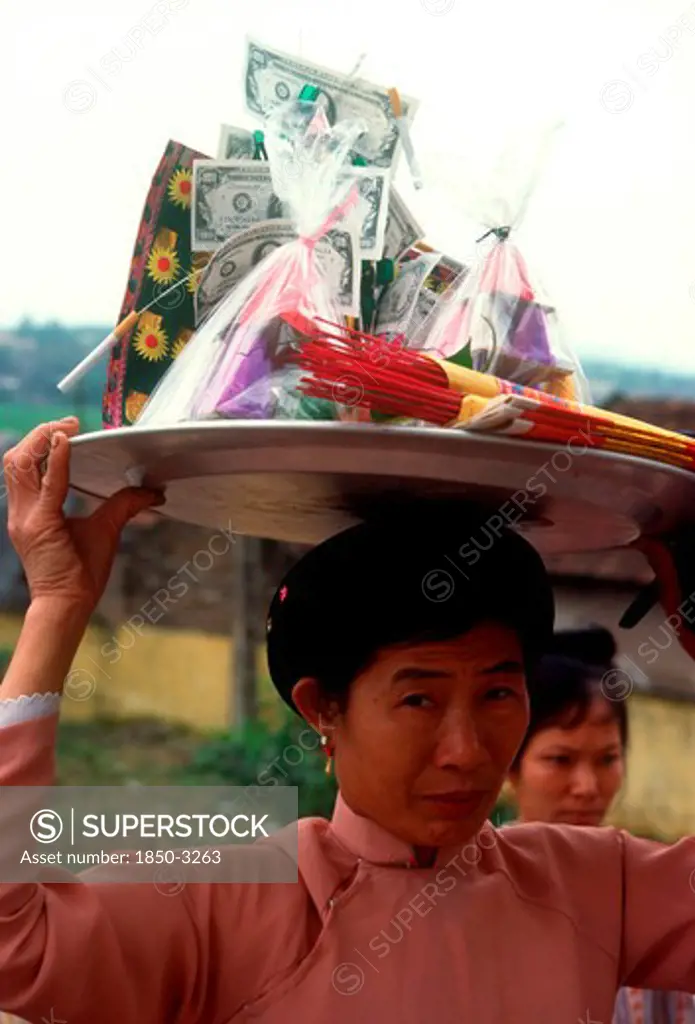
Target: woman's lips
x,y
455,804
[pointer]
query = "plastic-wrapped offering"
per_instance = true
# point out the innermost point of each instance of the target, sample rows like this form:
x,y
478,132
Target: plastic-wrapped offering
x,y
497,314
406,305
241,344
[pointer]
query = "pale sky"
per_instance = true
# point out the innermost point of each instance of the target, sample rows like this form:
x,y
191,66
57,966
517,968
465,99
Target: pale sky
x,y
93,89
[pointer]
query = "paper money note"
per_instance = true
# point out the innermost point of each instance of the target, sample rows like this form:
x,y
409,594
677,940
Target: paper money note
x,y
402,230
272,77
397,303
445,271
446,274
411,302
231,195
235,143
372,208
338,252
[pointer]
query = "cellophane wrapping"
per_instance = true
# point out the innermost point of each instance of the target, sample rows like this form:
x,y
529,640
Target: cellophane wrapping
x,y
234,366
496,316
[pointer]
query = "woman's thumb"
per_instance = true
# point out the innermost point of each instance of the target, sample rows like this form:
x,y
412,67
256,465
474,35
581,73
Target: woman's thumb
x,y
123,506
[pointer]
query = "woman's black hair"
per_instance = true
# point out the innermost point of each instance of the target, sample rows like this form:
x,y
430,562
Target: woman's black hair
x,y
564,684
429,571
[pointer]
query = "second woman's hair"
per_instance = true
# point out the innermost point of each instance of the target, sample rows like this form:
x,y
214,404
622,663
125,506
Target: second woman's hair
x,y
564,684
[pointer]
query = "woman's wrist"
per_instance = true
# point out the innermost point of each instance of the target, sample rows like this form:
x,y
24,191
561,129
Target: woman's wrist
x,y
69,612
51,635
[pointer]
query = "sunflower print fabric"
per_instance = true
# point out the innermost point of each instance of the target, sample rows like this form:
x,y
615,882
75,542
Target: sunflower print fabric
x,y
161,257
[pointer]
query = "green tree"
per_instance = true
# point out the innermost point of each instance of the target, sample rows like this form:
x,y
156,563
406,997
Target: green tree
x,y
260,753
5,658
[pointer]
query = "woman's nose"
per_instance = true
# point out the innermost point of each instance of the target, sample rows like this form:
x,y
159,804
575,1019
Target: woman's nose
x,y
460,745
584,780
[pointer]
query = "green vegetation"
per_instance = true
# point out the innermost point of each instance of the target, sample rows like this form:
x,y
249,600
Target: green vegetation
x,y
20,417
118,752
260,754
150,752
5,657
33,359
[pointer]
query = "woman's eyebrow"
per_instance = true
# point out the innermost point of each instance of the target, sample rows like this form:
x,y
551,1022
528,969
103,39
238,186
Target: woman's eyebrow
x,y
416,672
560,748
412,672
503,666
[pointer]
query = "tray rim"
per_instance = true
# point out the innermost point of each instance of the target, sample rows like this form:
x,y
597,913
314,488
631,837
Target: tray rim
x,y
288,428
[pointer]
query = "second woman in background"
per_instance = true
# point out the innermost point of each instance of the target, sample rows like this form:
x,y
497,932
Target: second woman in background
x,y
571,766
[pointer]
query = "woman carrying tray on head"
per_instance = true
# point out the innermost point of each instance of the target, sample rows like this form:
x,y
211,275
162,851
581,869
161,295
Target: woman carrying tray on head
x,y
571,765
408,906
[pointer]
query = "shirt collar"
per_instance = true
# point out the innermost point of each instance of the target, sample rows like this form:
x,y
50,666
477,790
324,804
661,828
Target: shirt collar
x,y
367,840
370,842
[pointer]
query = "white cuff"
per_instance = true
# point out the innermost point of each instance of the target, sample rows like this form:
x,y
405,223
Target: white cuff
x,y
25,708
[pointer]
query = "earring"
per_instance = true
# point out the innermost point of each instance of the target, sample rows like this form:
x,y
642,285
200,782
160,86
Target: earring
x,y
329,755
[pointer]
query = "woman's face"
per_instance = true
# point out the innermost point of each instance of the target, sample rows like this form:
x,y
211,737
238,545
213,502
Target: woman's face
x,y
572,775
429,733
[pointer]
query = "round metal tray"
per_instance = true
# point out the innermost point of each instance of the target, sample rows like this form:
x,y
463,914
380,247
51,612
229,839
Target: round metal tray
x,y
301,482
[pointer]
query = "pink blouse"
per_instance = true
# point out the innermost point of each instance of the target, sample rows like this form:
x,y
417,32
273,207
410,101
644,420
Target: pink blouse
x,y
532,925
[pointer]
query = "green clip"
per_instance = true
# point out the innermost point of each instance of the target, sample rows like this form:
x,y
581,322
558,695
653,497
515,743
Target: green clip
x,y
310,93
501,234
358,161
385,272
259,151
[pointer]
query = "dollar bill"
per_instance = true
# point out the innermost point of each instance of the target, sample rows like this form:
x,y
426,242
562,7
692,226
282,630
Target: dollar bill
x,y
397,303
446,274
272,77
337,252
235,143
232,195
373,188
445,271
402,230
409,305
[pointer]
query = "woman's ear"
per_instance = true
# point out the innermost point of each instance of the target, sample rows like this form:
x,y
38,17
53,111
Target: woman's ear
x,y
313,706
307,699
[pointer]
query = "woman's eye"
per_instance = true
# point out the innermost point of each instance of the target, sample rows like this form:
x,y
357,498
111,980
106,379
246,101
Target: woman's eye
x,y
417,700
610,758
500,693
561,759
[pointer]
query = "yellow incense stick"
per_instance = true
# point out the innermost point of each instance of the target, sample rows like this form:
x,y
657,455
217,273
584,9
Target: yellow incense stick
x,y
465,381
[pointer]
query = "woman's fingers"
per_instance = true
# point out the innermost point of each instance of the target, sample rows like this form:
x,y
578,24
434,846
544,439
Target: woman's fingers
x,y
22,465
124,505
56,480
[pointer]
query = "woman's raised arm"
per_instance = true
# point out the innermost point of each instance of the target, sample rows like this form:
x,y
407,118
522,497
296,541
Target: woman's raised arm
x,y
67,561
76,951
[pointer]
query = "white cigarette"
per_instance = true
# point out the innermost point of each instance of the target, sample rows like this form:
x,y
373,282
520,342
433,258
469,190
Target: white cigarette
x,y
95,355
404,132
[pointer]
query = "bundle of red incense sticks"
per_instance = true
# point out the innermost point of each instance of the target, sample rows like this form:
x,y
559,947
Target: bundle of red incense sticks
x,y
350,367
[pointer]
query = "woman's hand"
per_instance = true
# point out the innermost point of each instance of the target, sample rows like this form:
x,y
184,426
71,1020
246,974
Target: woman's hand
x,y
671,556
66,560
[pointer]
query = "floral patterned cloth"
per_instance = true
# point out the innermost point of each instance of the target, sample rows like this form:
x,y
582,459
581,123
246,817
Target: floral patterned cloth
x,y
162,256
